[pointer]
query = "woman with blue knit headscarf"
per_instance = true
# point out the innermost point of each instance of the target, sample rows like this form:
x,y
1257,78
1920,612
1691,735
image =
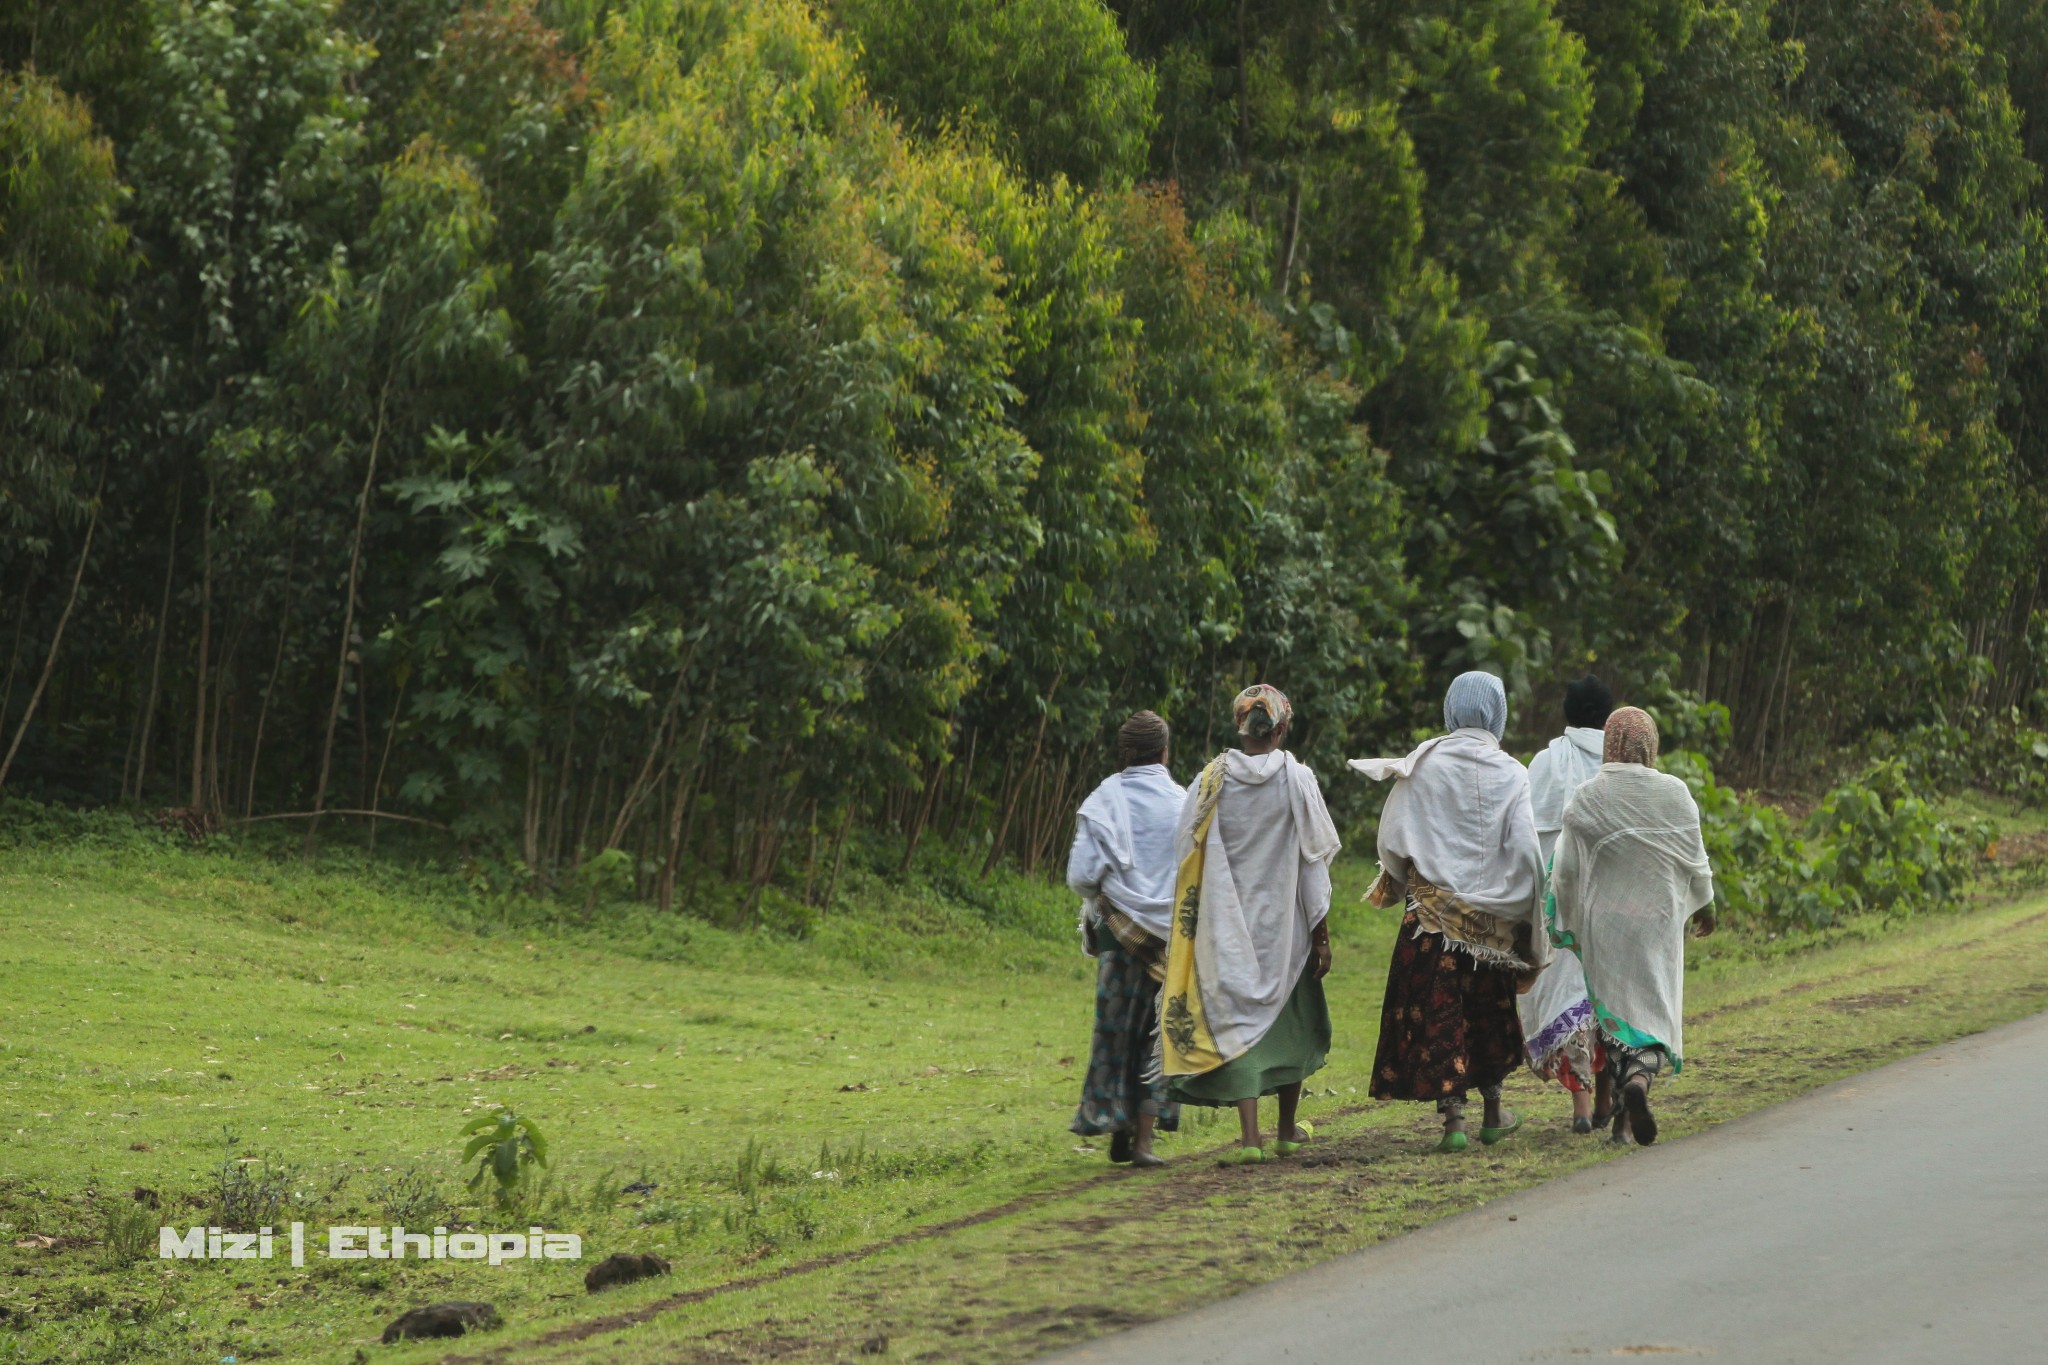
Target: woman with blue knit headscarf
x,y
1457,845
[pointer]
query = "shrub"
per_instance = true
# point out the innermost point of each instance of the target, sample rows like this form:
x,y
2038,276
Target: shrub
x,y
1872,844
1981,750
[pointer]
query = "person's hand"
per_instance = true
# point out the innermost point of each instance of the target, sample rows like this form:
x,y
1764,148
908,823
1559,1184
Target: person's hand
x,y
1703,923
1319,959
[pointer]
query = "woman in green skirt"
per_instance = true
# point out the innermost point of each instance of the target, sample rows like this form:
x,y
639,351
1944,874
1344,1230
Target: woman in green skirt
x,y
1242,1012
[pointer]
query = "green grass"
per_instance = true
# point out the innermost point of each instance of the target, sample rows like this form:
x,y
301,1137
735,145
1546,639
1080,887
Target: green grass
x,y
840,1111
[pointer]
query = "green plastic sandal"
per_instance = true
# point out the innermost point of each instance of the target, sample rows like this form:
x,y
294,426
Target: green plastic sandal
x,y
1306,1130
1454,1142
1489,1136
1243,1156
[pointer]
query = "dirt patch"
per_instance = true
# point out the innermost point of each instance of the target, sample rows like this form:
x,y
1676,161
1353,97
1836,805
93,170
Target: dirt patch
x,y
1876,1000
1797,988
1180,1193
1092,1318
2012,850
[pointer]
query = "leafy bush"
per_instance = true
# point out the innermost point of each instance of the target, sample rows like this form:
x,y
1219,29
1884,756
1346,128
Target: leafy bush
x,y
1885,848
1872,844
1983,751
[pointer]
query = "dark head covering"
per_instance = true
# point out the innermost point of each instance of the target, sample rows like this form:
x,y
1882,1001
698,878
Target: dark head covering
x,y
1631,738
1588,702
1260,710
1141,739
1476,701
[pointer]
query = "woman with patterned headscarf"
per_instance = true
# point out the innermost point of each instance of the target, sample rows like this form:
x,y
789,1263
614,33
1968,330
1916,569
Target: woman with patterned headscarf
x,y
1242,1013
1457,845
1629,871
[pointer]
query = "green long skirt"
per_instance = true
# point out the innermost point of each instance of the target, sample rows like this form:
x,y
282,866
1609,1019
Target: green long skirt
x,y
1292,1050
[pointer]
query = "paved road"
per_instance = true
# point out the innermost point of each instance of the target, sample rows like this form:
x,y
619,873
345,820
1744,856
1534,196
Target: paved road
x,y
1900,1215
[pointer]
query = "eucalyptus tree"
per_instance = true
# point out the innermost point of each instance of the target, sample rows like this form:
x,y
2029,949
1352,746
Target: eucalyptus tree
x,y
63,253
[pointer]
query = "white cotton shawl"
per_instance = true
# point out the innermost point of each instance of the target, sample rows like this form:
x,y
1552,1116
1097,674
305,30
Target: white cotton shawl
x,y
1459,816
1265,887
1630,869
1123,845
1556,1006
1570,760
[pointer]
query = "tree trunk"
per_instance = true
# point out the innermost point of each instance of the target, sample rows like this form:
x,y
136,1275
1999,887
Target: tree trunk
x,y
362,735
637,792
995,849
564,792
156,663
263,709
14,655
348,624
838,858
197,802
223,691
811,857
964,787
1244,90
376,801
1293,242
924,814
681,819
57,640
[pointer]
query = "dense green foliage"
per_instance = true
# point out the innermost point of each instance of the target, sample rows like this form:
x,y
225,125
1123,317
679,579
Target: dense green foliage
x,y
1872,844
659,438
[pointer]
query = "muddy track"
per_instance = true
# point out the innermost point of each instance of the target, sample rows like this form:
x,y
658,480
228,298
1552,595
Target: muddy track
x,y
613,1322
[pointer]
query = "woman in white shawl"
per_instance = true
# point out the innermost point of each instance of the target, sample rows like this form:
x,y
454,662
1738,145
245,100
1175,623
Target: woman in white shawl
x,y
1556,1014
1123,866
1630,870
1457,845
1243,1013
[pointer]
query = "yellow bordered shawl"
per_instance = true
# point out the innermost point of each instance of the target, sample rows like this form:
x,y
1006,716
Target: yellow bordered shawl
x,y
1189,1049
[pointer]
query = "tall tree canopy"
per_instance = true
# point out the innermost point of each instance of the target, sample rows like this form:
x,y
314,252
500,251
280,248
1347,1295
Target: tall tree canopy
x,y
658,438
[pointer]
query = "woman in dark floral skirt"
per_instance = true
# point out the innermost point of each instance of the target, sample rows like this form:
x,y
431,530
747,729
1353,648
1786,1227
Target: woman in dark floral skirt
x,y
1457,845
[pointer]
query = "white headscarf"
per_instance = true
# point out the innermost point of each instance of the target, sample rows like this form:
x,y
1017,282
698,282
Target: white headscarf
x,y
1570,760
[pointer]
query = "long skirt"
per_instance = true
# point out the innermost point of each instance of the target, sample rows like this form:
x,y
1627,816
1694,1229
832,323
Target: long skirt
x,y
1574,1062
1292,1050
1115,1091
1448,1025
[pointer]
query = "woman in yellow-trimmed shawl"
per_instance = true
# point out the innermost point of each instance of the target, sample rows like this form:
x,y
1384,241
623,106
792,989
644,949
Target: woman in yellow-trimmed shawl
x,y
1243,1014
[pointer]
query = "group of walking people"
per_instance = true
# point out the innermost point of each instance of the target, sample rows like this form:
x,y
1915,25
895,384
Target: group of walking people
x,y
1544,917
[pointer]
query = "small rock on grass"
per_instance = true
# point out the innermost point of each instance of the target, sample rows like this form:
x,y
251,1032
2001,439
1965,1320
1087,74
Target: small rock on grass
x,y
442,1320
623,1267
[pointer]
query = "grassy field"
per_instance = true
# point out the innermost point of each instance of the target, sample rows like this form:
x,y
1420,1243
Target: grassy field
x,y
855,1142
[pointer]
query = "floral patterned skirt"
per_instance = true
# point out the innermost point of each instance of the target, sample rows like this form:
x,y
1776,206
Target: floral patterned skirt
x,y
1448,1025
